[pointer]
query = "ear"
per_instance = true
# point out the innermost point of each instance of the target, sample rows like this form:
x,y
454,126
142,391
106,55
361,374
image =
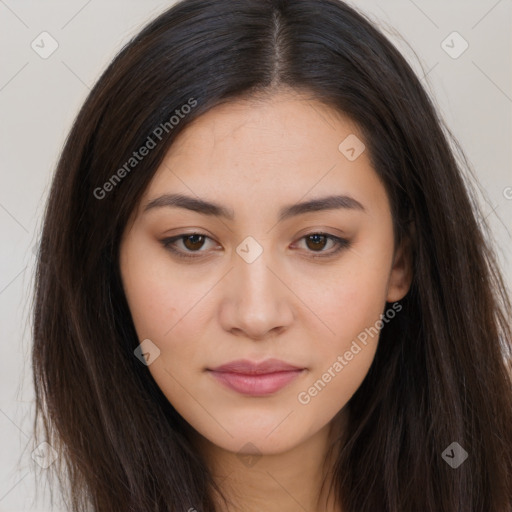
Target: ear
x,y
400,277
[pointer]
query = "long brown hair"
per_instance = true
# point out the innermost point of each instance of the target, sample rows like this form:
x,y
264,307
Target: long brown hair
x,y
439,375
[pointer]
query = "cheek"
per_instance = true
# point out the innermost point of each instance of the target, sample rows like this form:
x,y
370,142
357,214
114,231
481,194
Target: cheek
x,y
157,295
163,313
342,359
353,300
153,305
168,308
352,307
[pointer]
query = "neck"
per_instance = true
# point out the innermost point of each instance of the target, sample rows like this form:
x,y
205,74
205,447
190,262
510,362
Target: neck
x,y
297,479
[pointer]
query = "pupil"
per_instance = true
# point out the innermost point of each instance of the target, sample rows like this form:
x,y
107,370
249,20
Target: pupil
x,y
194,239
317,239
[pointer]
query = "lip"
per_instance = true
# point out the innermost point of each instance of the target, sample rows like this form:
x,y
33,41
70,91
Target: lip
x,y
249,367
256,379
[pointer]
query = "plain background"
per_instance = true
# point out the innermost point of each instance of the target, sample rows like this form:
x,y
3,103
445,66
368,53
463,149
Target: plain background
x,y
39,99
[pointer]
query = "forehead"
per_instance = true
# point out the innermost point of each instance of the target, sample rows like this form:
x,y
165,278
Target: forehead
x,y
285,126
281,148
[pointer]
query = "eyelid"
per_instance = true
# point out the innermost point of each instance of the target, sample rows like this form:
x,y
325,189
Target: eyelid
x,y
340,244
167,243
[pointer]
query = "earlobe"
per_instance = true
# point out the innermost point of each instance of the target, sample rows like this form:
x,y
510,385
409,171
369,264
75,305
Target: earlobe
x,y
400,277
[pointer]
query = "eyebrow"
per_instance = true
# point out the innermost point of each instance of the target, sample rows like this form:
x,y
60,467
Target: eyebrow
x,y
204,207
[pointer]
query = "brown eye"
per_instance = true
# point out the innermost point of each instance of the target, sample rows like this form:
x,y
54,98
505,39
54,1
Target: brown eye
x,y
186,245
316,241
196,243
324,244
193,242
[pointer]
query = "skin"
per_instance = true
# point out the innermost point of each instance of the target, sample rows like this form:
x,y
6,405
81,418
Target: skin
x,y
256,157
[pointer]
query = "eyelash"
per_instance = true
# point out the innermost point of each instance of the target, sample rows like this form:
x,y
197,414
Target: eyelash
x,y
341,243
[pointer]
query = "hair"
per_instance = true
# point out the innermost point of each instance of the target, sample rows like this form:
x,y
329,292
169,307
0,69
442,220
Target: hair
x,y
440,372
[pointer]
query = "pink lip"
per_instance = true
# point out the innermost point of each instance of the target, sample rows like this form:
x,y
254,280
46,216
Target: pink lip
x,y
257,379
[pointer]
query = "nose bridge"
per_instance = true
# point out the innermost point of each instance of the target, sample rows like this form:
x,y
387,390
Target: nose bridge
x,y
255,299
254,281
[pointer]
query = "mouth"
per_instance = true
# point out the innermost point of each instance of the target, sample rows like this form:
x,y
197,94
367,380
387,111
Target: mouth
x,y
256,379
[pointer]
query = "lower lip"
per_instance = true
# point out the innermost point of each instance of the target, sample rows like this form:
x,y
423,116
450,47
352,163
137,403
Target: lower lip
x,y
256,385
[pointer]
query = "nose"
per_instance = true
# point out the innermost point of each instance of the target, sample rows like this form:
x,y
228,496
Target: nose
x,y
257,302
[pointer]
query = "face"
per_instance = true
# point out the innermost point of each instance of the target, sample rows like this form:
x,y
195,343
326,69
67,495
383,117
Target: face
x,y
261,275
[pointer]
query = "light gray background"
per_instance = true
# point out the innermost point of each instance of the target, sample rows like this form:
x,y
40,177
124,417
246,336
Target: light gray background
x,y
40,97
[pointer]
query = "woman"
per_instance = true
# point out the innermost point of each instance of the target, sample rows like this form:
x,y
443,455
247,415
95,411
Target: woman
x,y
262,284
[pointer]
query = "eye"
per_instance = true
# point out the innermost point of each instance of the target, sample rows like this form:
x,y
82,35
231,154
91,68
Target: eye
x,y
316,242
193,243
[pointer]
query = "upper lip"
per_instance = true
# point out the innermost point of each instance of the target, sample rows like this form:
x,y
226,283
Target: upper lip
x,y
248,367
